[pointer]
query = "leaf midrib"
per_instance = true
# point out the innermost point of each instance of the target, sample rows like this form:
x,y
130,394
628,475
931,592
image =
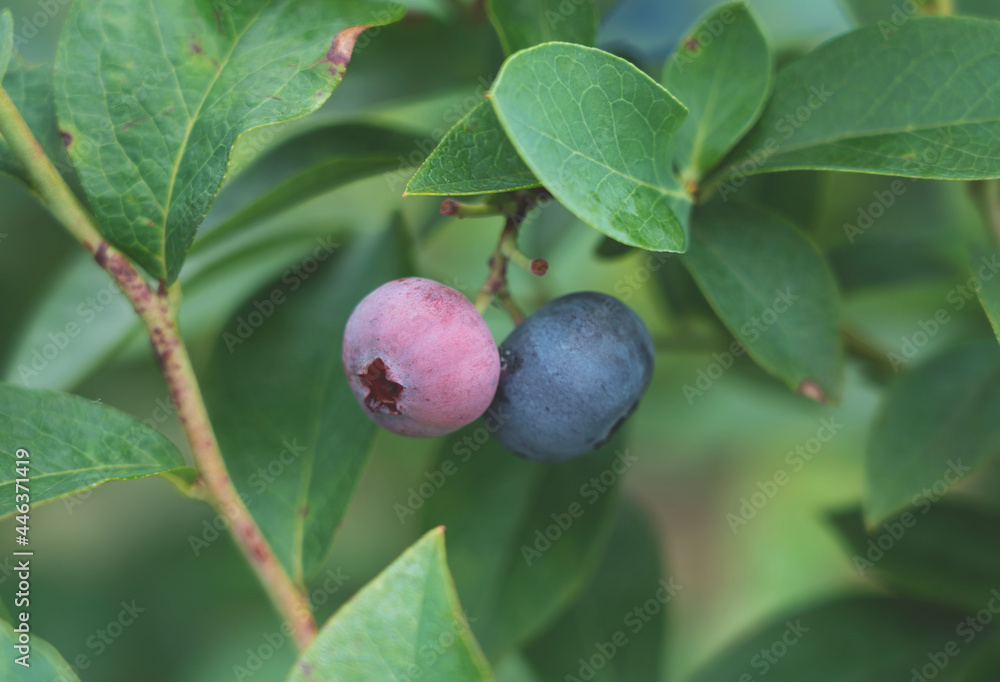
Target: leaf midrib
x,y
192,119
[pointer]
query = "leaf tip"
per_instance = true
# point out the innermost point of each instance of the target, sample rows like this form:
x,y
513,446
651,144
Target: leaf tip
x,y
342,47
811,390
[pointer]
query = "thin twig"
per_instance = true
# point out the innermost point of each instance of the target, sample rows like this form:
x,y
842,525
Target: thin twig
x,y
158,311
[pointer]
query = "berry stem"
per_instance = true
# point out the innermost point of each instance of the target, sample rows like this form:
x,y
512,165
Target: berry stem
x,y
158,310
495,287
460,209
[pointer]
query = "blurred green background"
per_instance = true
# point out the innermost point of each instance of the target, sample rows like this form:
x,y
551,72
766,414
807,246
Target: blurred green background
x,y
126,542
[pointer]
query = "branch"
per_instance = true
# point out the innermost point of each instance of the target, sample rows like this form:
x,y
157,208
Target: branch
x,y
158,314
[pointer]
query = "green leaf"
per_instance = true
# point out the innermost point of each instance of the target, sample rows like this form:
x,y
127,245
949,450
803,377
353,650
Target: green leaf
x,y
301,168
6,39
474,157
624,606
30,88
989,297
514,668
979,8
153,101
497,507
944,551
773,290
74,444
315,434
851,639
872,11
524,23
938,422
46,665
404,624
893,12
721,71
597,133
914,101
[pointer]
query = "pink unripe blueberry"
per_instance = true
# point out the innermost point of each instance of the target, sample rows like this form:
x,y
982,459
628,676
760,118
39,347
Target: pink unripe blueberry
x,y
419,357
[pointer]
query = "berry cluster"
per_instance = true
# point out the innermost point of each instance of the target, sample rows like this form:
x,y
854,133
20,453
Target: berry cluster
x,y
422,362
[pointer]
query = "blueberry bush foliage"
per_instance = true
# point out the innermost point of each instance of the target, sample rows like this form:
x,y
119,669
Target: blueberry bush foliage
x,y
816,214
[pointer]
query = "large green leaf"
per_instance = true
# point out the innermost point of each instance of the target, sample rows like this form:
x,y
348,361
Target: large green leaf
x,y
280,404
407,623
938,423
620,616
74,444
916,103
597,133
30,88
939,551
773,290
474,157
301,168
523,23
498,508
46,665
153,99
6,39
888,14
852,639
721,71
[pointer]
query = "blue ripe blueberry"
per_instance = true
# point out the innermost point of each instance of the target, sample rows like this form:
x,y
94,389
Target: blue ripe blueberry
x,y
570,374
